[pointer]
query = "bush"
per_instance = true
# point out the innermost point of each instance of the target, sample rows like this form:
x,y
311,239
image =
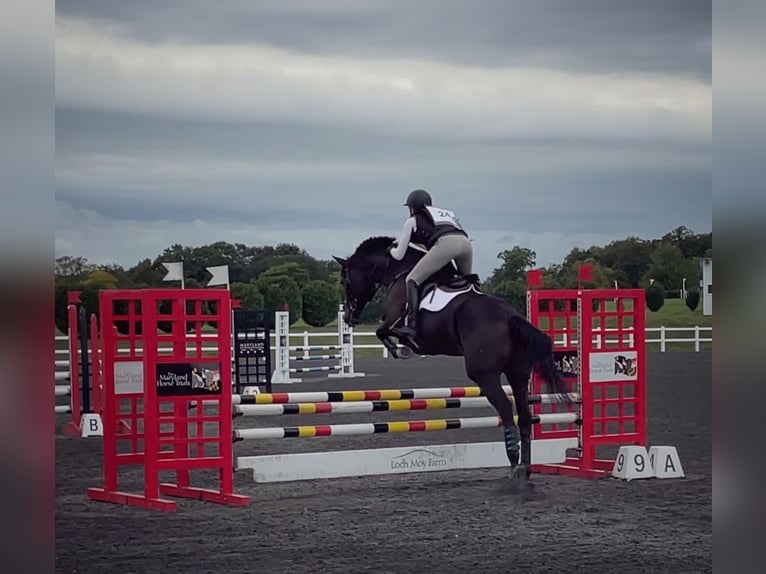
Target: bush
x,y
320,303
514,292
280,292
655,297
692,299
89,298
373,312
248,295
60,309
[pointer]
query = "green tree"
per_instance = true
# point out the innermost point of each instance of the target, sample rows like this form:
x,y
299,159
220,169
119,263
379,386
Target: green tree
x,y
101,279
692,245
692,299
248,294
74,268
509,281
516,262
567,276
89,298
278,292
373,311
146,274
320,303
290,270
669,267
655,296
61,313
628,259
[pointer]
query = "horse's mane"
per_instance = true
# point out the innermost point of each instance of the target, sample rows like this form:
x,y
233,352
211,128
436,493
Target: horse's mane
x,y
373,245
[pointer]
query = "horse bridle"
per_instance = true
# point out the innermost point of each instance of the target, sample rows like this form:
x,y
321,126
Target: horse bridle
x,y
352,301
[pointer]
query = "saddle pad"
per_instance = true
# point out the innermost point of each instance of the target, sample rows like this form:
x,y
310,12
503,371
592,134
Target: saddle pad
x,y
438,299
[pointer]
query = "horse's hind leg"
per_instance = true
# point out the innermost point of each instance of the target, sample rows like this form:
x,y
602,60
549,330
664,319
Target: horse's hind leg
x,y
490,384
519,382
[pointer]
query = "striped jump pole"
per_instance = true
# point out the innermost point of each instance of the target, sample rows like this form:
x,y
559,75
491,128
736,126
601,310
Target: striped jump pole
x,y
394,460
378,395
318,408
359,407
283,372
312,431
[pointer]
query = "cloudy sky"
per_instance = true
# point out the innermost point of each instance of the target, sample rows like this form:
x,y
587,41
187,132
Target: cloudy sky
x,y
549,124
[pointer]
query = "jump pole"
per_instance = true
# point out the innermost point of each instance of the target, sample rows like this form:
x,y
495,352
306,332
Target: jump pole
x,y
393,460
307,408
378,395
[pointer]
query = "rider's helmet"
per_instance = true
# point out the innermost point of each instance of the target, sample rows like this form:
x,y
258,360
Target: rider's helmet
x,y
417,200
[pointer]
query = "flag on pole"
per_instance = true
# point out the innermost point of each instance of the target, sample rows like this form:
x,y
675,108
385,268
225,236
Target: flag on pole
x,y
175,272
534,278
584,273
220,275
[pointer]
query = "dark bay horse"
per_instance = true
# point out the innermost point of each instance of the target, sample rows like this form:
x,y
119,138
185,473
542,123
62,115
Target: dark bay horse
x,y
491,336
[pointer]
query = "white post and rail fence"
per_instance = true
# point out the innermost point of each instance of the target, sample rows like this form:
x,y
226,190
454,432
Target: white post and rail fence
x,y
657,339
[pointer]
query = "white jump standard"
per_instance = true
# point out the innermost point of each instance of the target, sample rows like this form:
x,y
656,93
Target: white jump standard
x,y
282,371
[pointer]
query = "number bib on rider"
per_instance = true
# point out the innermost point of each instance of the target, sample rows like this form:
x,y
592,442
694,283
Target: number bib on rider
x,y
443,217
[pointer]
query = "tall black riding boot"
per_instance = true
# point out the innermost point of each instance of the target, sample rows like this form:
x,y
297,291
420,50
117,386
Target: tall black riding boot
x,y
410,329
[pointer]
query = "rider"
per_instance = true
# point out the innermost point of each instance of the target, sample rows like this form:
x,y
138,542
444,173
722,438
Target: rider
x,y
440,233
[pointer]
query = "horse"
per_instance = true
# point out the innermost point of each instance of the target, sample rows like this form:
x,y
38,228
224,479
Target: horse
x,y
493,338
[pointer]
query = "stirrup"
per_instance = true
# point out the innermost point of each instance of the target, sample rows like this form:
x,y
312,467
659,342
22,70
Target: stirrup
x,y
406,332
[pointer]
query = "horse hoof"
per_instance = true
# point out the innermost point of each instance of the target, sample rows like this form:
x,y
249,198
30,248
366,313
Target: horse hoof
x,y
520,480
405,353
520,472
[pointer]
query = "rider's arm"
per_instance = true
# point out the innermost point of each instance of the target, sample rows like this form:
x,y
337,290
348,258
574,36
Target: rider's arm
x,y
404,240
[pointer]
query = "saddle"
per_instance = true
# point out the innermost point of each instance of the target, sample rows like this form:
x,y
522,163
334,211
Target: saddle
x,y
454,284
436,293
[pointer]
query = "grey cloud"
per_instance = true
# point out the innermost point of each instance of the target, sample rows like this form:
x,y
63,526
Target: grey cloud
x,y
81,130
85,131
610,205
477,179
592,35
328,185
263,210
355,162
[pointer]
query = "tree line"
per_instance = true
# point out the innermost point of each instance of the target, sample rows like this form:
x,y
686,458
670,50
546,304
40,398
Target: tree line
x,y
270,277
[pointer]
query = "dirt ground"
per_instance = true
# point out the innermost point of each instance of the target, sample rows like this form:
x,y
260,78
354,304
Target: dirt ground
x,y
442,522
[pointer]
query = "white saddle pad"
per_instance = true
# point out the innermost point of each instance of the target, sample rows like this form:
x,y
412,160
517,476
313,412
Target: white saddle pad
x,y
438,299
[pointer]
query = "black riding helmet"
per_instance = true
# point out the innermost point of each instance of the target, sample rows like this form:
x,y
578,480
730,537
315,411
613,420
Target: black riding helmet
x,y
417,200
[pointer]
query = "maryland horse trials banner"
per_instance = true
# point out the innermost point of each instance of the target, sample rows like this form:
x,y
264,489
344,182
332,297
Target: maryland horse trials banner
x,y
176,379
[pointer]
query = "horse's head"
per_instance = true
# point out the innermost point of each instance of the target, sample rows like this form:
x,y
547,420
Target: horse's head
x,y
362,274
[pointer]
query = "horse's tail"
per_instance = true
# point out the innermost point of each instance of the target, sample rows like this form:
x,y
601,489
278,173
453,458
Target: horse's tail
x,y
539,353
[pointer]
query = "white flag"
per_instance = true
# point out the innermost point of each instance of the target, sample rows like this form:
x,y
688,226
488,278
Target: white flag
x,y
220,275
175,271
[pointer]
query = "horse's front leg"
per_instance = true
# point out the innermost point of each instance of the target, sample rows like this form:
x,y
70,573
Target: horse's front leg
x,y
393,312
383,333
399,348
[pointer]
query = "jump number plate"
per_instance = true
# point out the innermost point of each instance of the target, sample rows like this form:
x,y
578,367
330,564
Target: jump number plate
x,y
632,462
639,462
